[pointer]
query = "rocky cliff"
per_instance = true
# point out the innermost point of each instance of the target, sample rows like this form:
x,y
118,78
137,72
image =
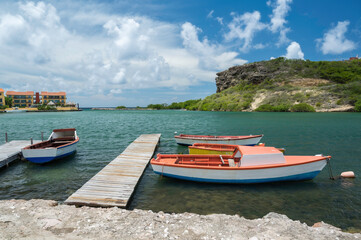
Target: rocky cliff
x,y
253,73
279,84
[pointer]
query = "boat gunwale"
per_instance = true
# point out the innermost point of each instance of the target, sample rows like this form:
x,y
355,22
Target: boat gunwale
x,y
68,144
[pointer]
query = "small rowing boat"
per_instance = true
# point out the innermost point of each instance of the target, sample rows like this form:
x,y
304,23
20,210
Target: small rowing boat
x,y
246,165
61,143
184,139
219,149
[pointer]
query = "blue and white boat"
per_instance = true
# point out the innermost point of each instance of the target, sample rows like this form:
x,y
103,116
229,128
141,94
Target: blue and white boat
x,y
61,143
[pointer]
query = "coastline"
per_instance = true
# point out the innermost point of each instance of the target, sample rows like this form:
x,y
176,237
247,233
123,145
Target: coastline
x,y
333,110
47,219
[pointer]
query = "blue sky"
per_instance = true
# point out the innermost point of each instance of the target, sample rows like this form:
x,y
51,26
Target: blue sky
x,y
133,53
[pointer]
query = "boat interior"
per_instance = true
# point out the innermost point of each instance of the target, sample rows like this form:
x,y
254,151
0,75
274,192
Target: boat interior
x,y
53,143
201,160
227,161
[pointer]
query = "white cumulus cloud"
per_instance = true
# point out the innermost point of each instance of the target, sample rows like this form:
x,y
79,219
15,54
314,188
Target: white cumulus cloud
x,y
334,41
278,19
211,56
294,51
243,28
98,57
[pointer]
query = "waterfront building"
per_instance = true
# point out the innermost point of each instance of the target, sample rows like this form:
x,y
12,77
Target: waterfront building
x,y
21,99
2,97
55,97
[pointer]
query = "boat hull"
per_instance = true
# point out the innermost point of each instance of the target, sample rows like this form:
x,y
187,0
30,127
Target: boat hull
x,y
246,142
15,111
301,172
48,154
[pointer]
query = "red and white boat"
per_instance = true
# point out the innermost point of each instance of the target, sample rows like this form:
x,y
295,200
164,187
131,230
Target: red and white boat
x,y
250,140
246,165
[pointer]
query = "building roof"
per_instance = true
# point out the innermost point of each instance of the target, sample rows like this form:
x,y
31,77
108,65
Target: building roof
x,y
19,93
1,90
53,93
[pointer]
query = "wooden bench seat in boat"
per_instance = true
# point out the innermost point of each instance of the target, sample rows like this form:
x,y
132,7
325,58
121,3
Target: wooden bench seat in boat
x,y
71,138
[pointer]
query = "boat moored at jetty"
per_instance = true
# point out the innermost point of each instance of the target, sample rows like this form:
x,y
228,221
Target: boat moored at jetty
x,y
246,165
219,149
61,143
250,140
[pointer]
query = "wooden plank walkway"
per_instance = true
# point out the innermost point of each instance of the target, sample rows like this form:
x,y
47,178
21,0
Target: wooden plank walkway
x,y
113,186
10,151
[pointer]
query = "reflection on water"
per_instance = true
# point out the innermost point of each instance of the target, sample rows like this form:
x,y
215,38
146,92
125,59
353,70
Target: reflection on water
x,y
105,134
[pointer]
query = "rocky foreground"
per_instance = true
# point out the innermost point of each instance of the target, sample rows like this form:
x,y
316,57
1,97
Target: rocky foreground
x,y
45,219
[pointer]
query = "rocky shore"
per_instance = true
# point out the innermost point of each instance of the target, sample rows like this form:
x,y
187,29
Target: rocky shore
x,y
46,219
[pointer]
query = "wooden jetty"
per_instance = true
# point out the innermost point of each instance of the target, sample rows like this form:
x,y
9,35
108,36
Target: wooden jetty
x,y
114,185
11,151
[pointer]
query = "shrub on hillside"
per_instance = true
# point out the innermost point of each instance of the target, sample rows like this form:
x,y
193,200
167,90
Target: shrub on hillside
x,y
281,108
270,108
265,108
302,107
358,105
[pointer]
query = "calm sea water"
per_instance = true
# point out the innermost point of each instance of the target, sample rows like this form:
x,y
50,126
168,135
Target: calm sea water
x,y
105,134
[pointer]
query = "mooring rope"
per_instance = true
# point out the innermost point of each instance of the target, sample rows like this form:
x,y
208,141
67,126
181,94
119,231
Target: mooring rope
x,y
221,159
162,170
330,169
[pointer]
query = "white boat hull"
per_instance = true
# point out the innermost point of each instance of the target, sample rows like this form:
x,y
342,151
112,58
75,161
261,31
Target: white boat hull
x,y
15,111
238,175
245,142
48,154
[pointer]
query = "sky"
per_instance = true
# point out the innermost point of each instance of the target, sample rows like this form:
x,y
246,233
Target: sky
x,y
139,52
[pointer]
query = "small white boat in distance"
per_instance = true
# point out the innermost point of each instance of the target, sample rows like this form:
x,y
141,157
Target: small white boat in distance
x,y
15,110
61,143
246,165
188,140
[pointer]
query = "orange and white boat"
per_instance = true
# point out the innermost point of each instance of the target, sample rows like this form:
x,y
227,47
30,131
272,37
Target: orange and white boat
x,y
219,149
246,165
250,140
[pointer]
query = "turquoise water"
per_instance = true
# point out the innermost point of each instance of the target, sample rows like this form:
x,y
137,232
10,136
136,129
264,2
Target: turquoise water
x,y
105,134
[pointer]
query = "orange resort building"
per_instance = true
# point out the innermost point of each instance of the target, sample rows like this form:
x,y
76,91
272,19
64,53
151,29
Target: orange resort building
x,y
55,97
2,97
21,99
26,99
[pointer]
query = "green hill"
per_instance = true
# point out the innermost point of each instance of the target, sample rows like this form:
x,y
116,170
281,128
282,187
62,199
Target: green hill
x,y
283,85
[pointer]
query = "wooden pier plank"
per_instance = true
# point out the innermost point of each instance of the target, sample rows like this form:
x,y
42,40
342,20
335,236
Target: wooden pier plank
x,y
10,151
114,185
